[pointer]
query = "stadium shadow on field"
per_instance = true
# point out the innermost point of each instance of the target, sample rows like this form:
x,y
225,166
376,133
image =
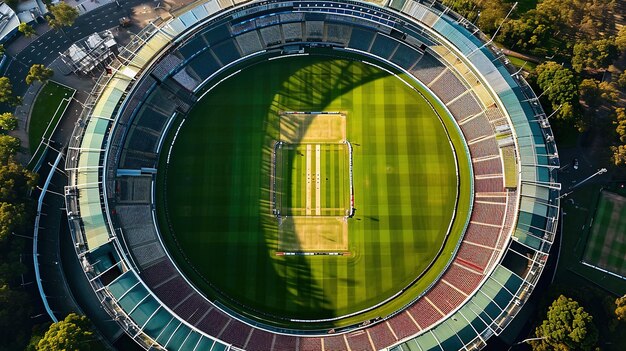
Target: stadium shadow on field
x,y
290,287
316,94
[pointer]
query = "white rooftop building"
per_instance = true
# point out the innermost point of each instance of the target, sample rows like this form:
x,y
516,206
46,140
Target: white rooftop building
x,y
29,10
87,54
8,22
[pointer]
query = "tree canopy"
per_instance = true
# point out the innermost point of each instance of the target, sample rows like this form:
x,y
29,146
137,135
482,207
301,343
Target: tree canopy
x,y
567,21
567,327
466,8
491,15
72,333
15,181
620,128
26,29
12,216
620,309
593,54
15,309
6,91
62,15
486,14
8,121
8,146
619,155
560,87
15,213
39,72
620,39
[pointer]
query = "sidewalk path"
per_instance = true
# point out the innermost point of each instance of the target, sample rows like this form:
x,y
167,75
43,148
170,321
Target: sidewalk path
x,y
519,55
84,6
22,113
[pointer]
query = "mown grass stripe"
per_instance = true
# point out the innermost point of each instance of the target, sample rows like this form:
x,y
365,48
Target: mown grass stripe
x,y
303,286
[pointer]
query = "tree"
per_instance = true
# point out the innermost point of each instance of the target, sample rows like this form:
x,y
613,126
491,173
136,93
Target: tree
x,y
491,15
72,333
6,92
593,19
466,8
621,80
595,93
12,217
608,92
8,148
620,129
619,155
620,310
563,16
15,309
593,54
567,327
560,86
26,29
620,39
530,31
62,15
15,180
39,72
589,92
8,121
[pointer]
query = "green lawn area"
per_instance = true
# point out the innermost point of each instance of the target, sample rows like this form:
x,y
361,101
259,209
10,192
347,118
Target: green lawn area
x,y
606,245
224,235
518,62
47,110
590,286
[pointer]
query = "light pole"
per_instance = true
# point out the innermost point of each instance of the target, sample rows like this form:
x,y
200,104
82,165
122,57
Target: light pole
x,y
495,33
540,95
555,111
544,122
531,339
527,340
600,171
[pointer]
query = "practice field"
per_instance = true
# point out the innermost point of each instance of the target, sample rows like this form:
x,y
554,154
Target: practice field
x,y
606,245
219,217
47,110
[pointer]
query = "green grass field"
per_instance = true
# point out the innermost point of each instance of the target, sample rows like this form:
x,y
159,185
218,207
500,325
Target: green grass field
x,y
298,190
216,192
606,244
47,110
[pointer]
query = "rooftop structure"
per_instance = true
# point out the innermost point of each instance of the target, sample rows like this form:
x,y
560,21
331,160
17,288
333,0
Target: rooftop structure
x,y
86,55
8,22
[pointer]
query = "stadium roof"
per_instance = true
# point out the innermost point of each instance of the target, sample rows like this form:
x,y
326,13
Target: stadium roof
x,y
487,311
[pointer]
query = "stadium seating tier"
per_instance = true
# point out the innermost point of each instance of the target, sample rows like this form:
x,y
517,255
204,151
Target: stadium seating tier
x,y
146,113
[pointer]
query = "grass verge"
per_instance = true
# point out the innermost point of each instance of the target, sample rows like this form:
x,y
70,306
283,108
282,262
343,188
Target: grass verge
x,y
594,289
48,108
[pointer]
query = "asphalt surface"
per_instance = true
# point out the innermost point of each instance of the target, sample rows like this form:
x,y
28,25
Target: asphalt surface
x,y
47,46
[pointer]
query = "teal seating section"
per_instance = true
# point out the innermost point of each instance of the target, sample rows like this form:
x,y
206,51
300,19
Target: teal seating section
x,y
156,321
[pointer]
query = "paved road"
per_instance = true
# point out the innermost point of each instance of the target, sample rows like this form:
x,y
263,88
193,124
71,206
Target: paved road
x,y
47,46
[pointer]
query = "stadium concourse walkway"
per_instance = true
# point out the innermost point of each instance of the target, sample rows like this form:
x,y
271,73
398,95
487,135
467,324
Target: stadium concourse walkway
x,y
516,195
51,224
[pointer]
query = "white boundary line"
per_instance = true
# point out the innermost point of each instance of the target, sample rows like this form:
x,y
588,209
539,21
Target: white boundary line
x,y
69,101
